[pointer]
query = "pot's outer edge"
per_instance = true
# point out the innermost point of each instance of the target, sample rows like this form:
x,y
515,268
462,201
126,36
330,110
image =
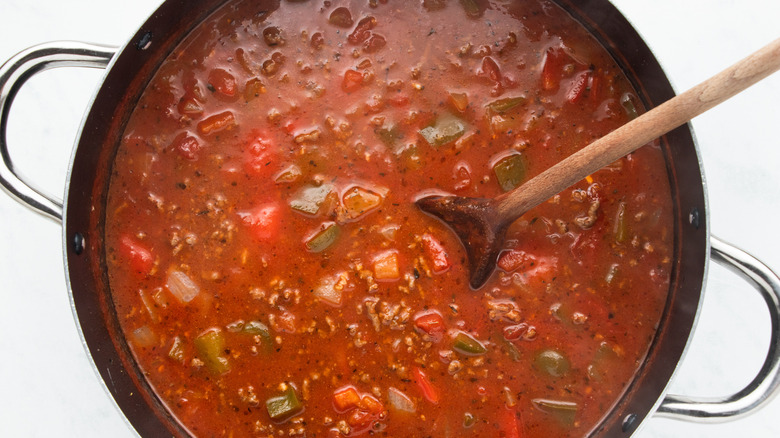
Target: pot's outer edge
x,y
98,322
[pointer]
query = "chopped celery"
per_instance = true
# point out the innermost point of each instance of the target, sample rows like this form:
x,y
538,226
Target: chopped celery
x,y
552,362
358,201
410,158
309,199
253,328
503,105
324,238
466,344
284,406
257,328
510,172
621,224
459,100
513,352
444,131
211,345
605,359
564,411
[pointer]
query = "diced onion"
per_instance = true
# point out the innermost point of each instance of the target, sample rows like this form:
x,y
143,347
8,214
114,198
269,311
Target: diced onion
x,y
386,266
400,401
144,337
328,290
182,286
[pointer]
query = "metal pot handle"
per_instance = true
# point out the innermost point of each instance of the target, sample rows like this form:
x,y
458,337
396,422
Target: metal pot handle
x,y
763,388
13,74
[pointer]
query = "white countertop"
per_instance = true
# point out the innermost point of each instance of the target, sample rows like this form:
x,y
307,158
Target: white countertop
x,y
49,387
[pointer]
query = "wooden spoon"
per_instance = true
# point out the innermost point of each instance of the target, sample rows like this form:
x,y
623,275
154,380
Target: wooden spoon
x,y
481,223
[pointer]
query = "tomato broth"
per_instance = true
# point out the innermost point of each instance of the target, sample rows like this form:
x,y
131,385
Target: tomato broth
x,y
273,276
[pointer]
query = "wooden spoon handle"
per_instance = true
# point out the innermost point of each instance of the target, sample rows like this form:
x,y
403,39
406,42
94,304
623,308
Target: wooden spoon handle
x,y
640,131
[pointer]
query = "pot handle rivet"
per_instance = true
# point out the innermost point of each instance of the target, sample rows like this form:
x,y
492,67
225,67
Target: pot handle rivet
x,y
145,41
78,243
629,423
694,217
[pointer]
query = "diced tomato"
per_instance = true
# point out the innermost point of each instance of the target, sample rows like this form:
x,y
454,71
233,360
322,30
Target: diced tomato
x,y
431,323
587,245
555,61
341,17
217,122
223,82
189,106
353,80
346,398
428,390
360,420
535,269
399,100
578,87
371,404
253,88
317,40
192,86
140,258
436,253
260,158
490,69
186,145
374,43
514,332
264,221
362,31
459,100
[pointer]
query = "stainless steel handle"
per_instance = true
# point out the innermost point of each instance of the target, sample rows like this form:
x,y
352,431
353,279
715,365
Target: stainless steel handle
x,y
763,388
13,74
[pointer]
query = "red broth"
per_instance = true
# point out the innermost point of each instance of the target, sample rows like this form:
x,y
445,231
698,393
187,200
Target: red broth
x,y
273,276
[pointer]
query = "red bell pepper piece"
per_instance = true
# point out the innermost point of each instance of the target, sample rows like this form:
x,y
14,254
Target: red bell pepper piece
x,y
431,323
140,258
428,390
263,221
436,253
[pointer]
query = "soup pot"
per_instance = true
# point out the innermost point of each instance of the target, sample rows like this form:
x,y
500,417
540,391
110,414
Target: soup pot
x,y
129,69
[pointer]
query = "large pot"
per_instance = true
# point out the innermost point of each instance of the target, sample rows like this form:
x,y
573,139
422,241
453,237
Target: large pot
x,y
129,68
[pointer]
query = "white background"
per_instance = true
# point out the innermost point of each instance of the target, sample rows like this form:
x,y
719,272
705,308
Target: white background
x,y
48,386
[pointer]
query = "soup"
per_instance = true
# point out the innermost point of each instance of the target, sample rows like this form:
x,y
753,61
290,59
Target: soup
x,y
273,276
